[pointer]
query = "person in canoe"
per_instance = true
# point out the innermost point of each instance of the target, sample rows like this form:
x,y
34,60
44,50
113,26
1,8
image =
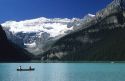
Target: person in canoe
x,y
30,68
20,67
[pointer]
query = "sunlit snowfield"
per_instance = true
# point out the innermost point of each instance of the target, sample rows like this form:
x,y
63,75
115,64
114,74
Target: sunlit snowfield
x,y
63,72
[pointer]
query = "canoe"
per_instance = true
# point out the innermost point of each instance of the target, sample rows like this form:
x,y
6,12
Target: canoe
x,y
32,69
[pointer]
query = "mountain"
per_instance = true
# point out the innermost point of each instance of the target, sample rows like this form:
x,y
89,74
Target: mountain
x,y
100,39
11,52
84,21
37,35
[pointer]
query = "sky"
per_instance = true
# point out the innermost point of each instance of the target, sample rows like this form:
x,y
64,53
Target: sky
x,y
28,9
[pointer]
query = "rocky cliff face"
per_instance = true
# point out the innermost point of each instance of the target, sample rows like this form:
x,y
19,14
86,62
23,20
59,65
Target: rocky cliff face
x,y
102,38
11,52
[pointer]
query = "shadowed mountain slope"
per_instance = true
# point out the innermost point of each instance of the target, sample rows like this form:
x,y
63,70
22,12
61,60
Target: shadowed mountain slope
x,y
11,52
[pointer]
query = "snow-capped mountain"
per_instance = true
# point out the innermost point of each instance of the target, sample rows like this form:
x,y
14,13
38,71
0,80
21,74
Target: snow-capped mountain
x,y
37,35
54,26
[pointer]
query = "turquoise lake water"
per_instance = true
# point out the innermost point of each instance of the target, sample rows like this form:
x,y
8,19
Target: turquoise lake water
x,y
63,72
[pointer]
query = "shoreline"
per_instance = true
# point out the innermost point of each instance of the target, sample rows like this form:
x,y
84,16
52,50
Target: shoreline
x,y
37,61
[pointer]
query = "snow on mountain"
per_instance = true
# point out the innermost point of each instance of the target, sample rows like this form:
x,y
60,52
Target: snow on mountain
x,y
37,33
88,17
54,26
91,15
32,45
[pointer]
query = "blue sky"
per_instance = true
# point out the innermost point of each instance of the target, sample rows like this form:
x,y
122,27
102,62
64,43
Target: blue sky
x,y
29,9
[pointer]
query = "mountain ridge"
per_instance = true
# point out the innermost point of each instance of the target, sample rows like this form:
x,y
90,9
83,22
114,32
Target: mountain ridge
x,y
101,39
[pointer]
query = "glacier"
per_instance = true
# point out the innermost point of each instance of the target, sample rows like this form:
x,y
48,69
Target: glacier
x,y
37,35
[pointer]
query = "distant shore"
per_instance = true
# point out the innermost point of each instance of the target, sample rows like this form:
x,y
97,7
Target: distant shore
x,y
37,61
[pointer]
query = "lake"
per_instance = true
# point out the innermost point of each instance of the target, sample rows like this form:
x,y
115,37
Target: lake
x,y
63,72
